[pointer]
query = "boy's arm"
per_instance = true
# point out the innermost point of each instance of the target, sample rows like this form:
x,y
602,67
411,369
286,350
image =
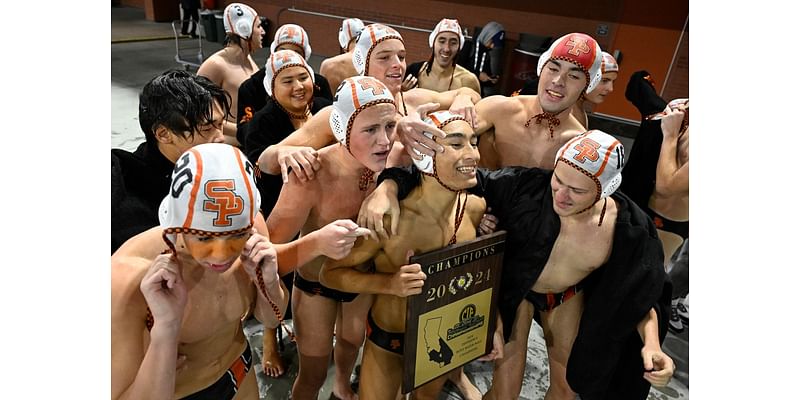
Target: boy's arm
x,y
298,151
138,372
671,179
658,366
341,274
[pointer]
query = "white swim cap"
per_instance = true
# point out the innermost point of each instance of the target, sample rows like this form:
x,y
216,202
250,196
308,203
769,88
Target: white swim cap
x,y
579,49
447,25
280,60
350,29
239,18
353,96
438,119
597,155
212,192
609,64
292,34
369,37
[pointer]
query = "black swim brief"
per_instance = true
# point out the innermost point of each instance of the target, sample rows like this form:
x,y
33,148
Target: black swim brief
x,y
548,301
228,384
679,228
316,288
389,341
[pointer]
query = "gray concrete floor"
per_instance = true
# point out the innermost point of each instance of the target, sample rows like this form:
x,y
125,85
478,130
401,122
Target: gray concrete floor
x,y
140,50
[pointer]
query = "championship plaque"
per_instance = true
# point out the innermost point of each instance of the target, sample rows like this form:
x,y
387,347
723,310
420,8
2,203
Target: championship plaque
x,y
453,320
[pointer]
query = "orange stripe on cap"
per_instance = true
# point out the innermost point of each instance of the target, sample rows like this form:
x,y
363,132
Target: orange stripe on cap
x,y
198,177
354,93
272,65
347,24
372,34
605,159
435,120
246,183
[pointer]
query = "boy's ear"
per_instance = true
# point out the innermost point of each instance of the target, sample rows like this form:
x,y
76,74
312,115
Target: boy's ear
x,y
163,135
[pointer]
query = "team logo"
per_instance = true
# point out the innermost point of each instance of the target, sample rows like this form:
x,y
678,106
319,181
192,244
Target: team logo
x,y
223,201
587,149
577,47
377,88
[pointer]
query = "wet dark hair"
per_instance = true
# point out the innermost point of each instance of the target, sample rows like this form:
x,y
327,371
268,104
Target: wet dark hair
x,y
233,39
181,102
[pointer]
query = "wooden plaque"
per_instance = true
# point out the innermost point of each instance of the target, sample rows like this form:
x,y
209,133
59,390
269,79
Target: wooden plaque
x,y
452,321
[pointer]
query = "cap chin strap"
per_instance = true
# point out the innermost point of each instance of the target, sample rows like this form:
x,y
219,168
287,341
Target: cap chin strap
x,y
304,116
365,179
552,120
460,206
602,212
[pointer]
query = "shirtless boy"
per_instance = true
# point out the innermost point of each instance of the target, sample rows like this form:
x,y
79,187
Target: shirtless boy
x,y
233,64
340,67
669,203
527,130
440,204
180,290
441,72
363,119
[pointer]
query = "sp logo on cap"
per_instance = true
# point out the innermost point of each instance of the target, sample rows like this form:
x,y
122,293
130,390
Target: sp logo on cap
x,y
587,148
377,88
223,201
577,46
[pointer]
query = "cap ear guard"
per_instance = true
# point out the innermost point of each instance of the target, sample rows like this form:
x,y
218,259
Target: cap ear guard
x,y
438,119
245,28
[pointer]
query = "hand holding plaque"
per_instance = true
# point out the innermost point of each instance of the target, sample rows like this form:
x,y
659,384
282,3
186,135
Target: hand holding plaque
x,y
453,321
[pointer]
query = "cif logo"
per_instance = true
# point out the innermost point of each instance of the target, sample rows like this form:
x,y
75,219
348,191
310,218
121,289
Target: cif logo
x,y
468,312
